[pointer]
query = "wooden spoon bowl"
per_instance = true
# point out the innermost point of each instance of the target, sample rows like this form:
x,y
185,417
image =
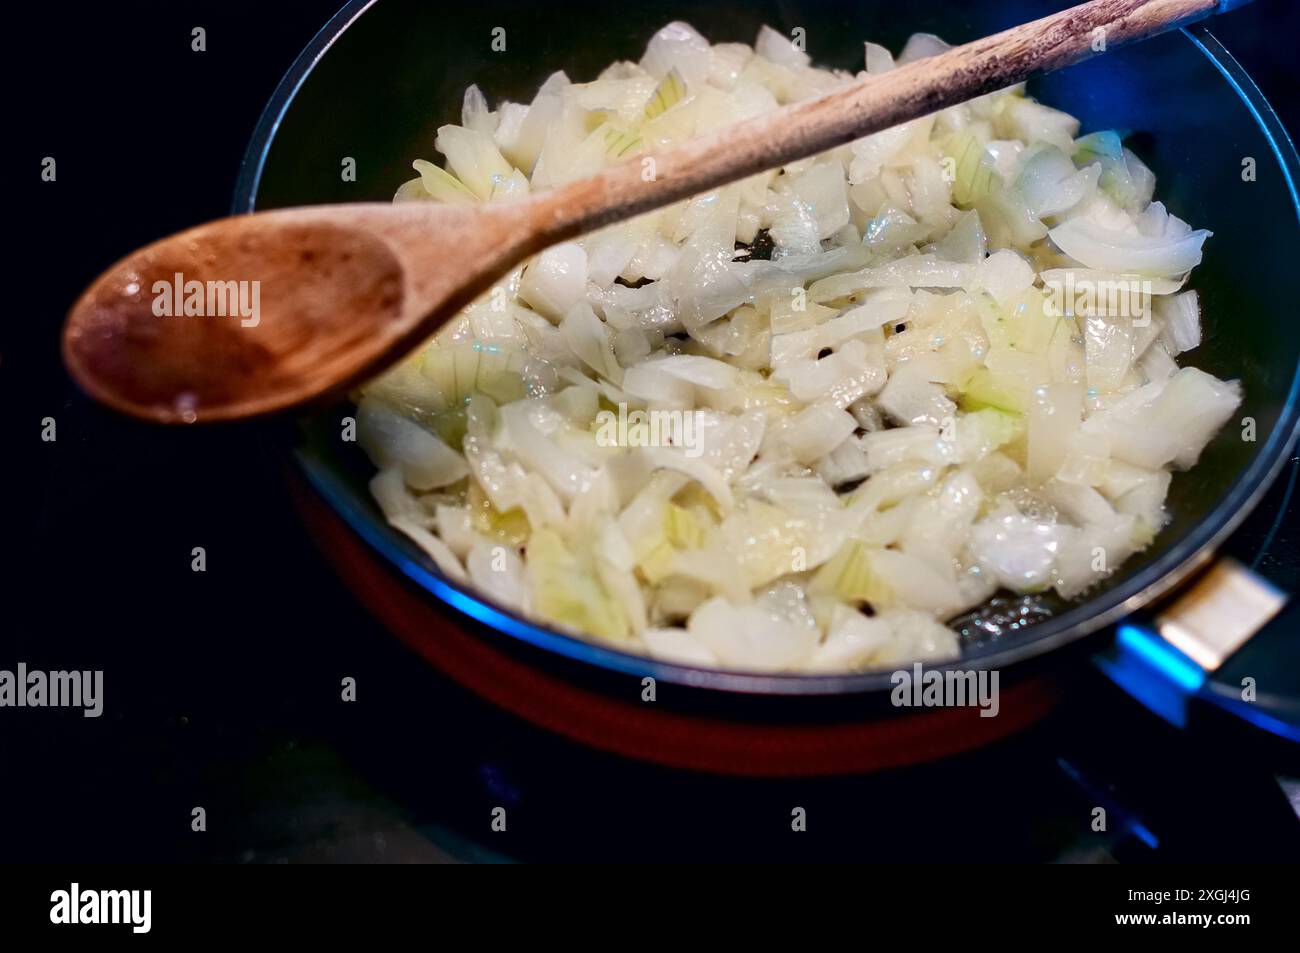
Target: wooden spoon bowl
x,y
258,313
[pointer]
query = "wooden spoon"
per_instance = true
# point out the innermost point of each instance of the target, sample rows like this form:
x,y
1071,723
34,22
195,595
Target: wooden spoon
x,y
342,291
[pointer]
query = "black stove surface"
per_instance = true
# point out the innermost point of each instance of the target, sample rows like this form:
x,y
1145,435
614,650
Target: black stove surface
x,y
222,688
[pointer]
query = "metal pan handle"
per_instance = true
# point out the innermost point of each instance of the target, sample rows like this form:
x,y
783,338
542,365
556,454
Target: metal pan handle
x,y
1231,640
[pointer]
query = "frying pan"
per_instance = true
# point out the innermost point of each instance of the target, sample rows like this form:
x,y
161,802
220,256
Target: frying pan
x,y
1173,626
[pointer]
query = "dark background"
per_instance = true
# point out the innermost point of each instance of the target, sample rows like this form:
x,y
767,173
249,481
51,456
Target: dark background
x,y
222,688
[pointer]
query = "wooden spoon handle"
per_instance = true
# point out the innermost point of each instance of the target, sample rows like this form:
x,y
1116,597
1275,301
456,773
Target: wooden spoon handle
x,y
858,109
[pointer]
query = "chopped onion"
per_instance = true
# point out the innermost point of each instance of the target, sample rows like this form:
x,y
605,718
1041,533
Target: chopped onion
x,y
677,47
556,280
919,46
1182,317
801,421
816,431
1106,250
392,440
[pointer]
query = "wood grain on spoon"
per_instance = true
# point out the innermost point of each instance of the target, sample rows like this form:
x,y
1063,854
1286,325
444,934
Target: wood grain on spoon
x,y
346,290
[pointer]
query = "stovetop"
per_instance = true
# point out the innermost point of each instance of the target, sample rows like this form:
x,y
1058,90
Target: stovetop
x,y
222,688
